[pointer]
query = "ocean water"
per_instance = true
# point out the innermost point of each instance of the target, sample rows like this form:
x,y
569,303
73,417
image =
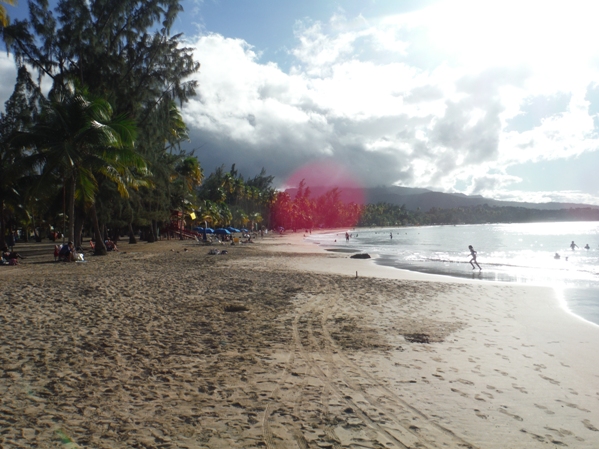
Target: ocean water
x,y
515,252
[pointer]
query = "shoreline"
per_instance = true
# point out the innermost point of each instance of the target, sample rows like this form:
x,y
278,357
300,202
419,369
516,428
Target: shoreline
x,y
573,302
278,344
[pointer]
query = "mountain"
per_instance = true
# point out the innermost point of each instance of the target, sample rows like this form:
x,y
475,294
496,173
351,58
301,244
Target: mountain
x,y
414,198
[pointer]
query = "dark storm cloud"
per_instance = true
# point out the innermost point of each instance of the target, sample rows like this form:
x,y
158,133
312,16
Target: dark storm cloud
x,y
286,155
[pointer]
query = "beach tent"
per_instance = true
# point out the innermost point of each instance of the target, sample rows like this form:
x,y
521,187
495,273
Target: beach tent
x,y
221,231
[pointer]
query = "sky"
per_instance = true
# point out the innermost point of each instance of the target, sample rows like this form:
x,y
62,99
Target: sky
x,y
491,98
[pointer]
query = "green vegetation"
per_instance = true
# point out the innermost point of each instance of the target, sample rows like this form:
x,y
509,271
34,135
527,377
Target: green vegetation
x,y
384,214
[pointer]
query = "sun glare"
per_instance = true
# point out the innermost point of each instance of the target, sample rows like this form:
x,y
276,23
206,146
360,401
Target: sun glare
x,y
493,33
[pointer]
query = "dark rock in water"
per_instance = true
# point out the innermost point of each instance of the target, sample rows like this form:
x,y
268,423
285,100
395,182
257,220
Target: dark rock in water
x,y
360,256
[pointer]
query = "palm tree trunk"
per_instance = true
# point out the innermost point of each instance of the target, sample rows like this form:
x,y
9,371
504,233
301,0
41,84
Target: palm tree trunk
x,y
132,239
72,209
78,241
100,249
2,224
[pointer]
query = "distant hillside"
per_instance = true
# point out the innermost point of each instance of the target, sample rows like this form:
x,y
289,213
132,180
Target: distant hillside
x,y
414,198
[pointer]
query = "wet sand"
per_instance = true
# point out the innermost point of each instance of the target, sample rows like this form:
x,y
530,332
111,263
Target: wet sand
x,y
279,345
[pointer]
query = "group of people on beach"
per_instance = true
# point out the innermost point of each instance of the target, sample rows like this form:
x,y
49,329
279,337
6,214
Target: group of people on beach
x,y
573,246
9,256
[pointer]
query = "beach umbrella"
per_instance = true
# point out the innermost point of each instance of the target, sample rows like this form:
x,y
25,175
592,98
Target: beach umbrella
x,y
207,230
221,231
231,229
244,230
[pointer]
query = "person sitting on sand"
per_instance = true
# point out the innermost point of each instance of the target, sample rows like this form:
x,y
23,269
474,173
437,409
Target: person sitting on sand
x,y
9,254
111,246
557,256
66,253
473,260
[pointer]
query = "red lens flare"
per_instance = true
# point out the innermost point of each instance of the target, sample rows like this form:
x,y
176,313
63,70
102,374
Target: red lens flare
x,y
323,176
335,198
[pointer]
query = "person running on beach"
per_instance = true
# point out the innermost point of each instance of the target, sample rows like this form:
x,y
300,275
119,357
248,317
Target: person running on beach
x,y
573,245
473,260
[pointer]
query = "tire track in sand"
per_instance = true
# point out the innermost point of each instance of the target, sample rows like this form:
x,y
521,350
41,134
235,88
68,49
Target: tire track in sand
x,y
378,395
375,435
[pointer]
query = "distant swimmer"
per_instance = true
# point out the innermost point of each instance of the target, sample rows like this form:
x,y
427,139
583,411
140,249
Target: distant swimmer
x,y
587,246
573,245
556,256
391,235
473,260
347,237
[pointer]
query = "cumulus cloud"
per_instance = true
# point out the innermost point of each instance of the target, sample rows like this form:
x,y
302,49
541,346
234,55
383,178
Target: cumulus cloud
x,y
443,97
402,100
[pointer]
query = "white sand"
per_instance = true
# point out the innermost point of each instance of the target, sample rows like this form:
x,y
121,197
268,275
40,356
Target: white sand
x,y
279,345
521,372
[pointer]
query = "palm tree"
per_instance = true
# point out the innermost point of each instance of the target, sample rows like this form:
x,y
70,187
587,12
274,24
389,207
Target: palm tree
x,y
77,138
191,175
255,218
3,14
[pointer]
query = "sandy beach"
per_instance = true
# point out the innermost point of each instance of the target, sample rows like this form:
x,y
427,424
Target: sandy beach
x,y
280,344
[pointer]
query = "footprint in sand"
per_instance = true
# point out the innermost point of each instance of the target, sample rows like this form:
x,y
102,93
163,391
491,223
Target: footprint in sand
x,y
539,367
589,426
545,409
479,414
479,398
520,389
560,432
511,415
569,404
549,379
461,393
465,382
535,436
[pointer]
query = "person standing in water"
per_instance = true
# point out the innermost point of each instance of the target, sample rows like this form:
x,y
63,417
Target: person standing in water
x,y
473,260
573,245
